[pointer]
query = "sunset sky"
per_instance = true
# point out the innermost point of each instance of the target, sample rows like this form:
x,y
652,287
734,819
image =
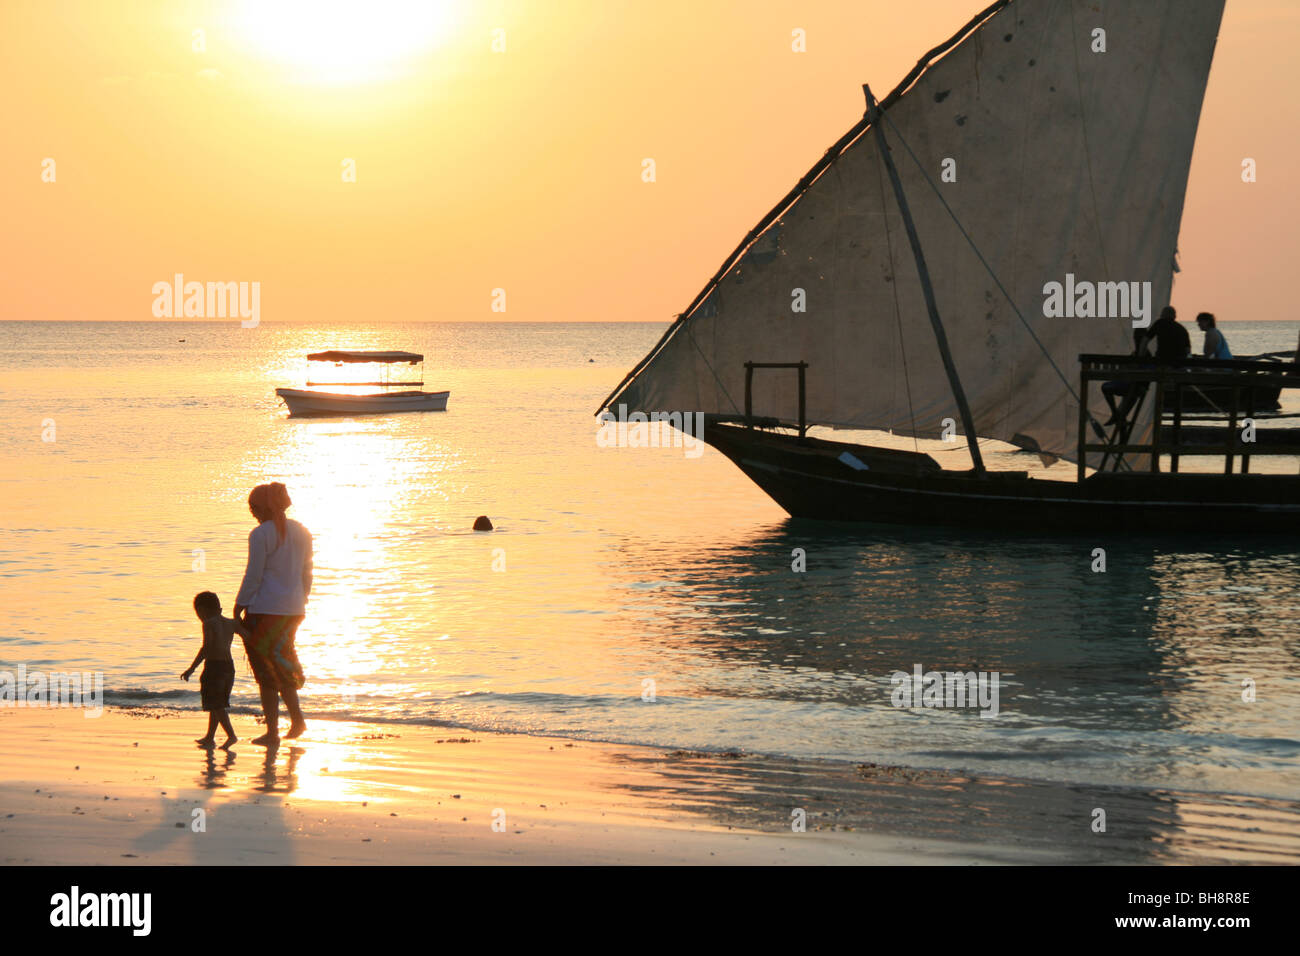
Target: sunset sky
x,y
520,169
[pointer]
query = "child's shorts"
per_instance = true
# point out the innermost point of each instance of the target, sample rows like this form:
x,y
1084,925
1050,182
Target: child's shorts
x,y
215,684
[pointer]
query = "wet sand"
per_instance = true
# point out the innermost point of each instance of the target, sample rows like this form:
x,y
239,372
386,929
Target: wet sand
x,y
132,787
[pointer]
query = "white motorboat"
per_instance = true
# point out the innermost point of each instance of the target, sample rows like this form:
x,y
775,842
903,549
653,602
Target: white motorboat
x,y
304,402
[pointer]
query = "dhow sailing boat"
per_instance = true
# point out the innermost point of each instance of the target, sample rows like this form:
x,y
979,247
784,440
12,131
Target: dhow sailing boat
x,y
1048,141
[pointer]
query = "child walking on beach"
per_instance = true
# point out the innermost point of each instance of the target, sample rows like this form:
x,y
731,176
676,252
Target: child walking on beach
x,y
218,677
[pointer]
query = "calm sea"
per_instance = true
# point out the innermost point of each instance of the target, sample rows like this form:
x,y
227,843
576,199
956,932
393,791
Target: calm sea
x,y
609,568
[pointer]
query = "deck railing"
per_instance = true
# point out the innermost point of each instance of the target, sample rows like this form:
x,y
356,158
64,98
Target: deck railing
x,y
1244,381
803,400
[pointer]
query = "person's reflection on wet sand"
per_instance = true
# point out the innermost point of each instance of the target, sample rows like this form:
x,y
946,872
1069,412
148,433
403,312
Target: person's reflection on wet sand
x,y
272,781
213,776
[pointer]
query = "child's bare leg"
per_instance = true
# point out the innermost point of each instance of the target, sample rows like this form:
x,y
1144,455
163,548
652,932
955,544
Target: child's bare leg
x,y
211,738
231,739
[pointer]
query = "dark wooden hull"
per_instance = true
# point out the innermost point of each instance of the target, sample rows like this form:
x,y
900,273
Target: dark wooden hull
x,y
809,479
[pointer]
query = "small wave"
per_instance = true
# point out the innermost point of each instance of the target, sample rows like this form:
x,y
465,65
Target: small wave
x,y
137,694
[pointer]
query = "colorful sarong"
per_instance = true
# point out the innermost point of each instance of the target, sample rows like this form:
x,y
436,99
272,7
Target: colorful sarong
x,y
271,654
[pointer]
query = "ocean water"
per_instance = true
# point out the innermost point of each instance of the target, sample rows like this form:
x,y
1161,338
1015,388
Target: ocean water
x,y
610,568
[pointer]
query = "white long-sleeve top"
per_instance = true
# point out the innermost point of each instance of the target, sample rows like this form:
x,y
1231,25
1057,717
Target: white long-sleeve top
x,y
278,577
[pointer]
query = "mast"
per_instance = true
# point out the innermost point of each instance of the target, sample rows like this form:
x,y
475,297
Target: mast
x,y
967,420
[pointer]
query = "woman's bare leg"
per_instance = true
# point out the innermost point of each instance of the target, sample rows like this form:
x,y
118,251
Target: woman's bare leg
x,y
297,725
271,710
296,722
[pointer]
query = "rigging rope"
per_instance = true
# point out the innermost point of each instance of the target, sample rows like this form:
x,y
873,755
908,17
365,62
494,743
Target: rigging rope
x,y
691,335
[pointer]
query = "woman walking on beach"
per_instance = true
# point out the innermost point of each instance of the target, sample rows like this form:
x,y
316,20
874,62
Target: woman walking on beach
x,y
274,595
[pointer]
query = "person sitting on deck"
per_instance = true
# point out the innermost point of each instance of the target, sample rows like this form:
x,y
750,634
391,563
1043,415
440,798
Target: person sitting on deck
x,y
1172,341
1130,392
1216,346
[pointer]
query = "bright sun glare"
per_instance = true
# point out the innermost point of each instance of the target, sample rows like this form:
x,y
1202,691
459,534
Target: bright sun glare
x,y
344,41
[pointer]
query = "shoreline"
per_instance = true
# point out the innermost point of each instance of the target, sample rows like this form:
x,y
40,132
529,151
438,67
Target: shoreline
x,y
398,725
130,786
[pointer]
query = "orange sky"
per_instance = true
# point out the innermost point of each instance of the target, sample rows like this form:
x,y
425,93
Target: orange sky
x,y
518,170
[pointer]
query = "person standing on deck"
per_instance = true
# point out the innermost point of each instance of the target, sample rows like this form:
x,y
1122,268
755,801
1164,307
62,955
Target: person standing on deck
x,y
1216,346
274,594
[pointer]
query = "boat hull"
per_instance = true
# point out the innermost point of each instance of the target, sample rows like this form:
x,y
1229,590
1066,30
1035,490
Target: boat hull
x,y
306,403
811,478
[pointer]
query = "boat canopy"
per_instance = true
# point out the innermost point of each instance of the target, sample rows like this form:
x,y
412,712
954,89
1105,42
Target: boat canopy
x,y
362,356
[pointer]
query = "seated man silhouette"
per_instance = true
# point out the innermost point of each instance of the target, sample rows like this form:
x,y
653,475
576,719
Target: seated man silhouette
x,y
1172,341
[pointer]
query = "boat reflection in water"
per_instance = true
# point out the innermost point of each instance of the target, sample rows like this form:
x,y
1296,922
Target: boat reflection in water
x,y
1120,689
1133,673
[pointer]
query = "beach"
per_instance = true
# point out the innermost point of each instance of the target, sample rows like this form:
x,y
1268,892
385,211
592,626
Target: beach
x,y
131,787
123,789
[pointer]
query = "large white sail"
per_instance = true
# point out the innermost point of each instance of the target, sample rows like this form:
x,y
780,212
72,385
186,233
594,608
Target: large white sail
x,y
1068,126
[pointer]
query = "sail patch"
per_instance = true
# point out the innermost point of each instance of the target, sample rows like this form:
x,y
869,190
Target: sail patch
x,y
765,248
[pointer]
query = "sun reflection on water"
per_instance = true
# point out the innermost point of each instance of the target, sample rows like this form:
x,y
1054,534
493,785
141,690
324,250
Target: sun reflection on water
x,y
362,485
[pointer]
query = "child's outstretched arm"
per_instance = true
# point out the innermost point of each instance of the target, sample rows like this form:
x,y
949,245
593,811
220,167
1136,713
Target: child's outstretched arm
x,y
203,651
198,659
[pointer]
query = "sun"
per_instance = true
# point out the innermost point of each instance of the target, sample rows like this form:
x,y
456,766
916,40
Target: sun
x,y
344,41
